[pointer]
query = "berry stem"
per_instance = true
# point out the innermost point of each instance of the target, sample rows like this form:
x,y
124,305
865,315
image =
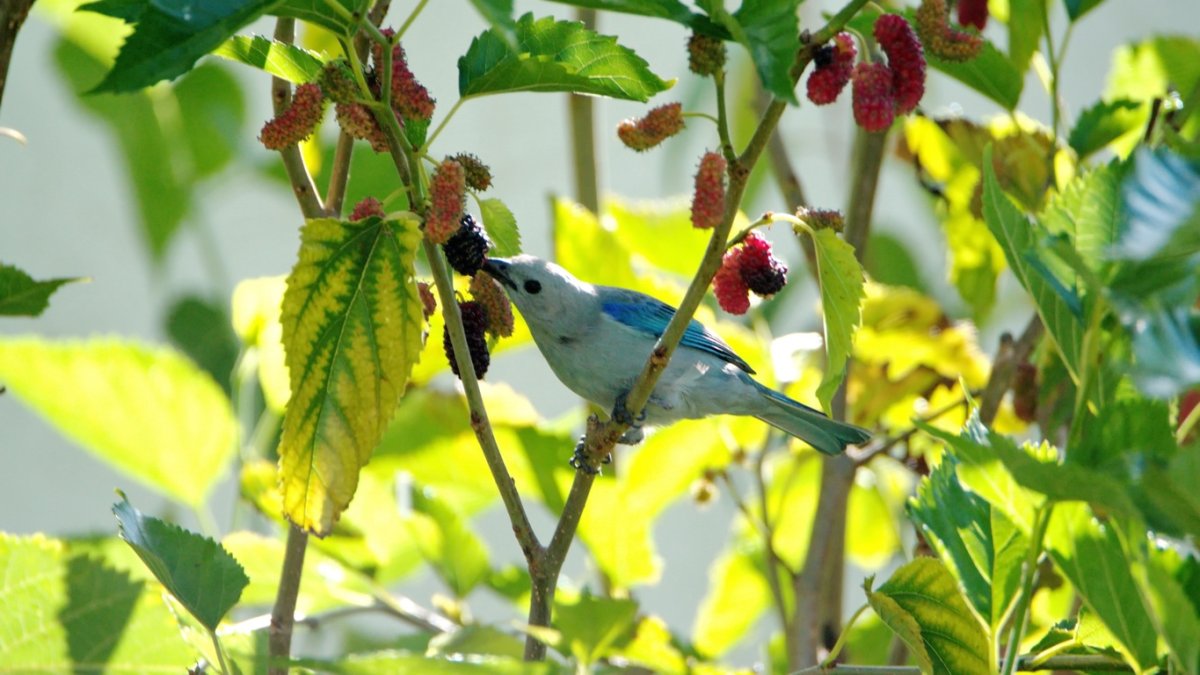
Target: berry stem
x,y
424,149
723,119
412,16
701,115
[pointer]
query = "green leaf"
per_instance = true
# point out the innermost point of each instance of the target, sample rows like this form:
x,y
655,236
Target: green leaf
x,y
925,591
170,36
196,570
1105,122
591,626
501,227
959,524
737,596
394,661
1077,8
76,612
1024,31
981,470
1090,555
148,412
902,623
1160,574
352,330
163,198
255,315
477,639
890,262
20,295
552,55
341,21
287,61
841,279
1018,235
643,227
456,553
770,31
1088,210
201,330
990,73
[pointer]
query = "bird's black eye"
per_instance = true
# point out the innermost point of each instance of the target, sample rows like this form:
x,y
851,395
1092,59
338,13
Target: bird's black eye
x,y
533,286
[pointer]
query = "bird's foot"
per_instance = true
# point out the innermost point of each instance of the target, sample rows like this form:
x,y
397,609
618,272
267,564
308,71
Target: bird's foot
x,y
620,413
632,436
579,460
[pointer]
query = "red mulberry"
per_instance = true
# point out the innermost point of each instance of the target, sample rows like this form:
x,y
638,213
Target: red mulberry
x,y
973,13
657,126
356,120
732,293
366,208
906,59
874,100
447,191
833,65
298,121
708,200
762,272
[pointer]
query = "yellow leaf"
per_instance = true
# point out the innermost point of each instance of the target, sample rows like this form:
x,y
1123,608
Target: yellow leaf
x,y
352,330
256,304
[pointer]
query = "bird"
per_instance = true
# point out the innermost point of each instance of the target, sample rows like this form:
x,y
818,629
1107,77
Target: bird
x,y
596,339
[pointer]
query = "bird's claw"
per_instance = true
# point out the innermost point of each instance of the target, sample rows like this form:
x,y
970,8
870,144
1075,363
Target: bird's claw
x,y
579,460
620,413
632,436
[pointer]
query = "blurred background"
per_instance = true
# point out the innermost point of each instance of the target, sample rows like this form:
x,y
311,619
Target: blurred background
x,y
68,208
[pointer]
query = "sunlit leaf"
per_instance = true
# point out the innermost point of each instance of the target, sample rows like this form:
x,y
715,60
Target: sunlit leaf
x,y
148,412
552,55
20,295
872,533
352,329
1018,235
255,309
1161,574
197,571
287,61
456,553
925,591
654,647
76,612
501,227
841,279
1025,26
168,38
1090,555
590,626
643,227
1105,122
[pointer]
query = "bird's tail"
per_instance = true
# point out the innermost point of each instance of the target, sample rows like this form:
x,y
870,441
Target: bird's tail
x,y
808,424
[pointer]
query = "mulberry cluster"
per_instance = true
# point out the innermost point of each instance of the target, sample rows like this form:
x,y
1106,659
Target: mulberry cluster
x,y
447,191
706,54
298,121
940,38
369,206
906,58
657,126
752,267
467,248
833,65
487,292
475,324
708,200
479,175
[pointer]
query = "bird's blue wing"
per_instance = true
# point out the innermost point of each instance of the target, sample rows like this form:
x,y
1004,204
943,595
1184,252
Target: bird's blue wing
x,y
651,316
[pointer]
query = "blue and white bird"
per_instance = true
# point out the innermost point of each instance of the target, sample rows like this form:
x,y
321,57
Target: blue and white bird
x,y
597,339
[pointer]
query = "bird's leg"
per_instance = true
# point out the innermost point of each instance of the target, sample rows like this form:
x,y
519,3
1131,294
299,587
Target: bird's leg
x,y
620,413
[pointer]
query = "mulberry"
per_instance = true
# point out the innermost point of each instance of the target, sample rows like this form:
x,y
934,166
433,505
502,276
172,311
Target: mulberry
x,y
973,13
467,248
708,200
732,293
356,120
834,64
369,206
762,272
874,100
487,292
906,59
479,176
447,191
657,126
298,121
474,320
942,40
706,55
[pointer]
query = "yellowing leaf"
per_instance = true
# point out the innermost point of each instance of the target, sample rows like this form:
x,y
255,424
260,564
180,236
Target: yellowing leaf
x,y
352,329
148,412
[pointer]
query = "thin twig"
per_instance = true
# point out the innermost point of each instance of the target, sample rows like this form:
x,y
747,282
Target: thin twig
x,y
1009,355
582,116
293,161
12,16
283,615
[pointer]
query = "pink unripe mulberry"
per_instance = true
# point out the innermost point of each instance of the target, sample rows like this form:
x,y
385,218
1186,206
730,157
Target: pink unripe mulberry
x,y
905,58
298,121
874,101
357,120
487,292
833,64
447,191
732,293
940,38
369,206
409,97
708,200
706,55
657,126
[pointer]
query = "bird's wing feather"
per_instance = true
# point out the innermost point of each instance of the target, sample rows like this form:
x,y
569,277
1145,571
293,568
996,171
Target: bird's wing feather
x,y
646,314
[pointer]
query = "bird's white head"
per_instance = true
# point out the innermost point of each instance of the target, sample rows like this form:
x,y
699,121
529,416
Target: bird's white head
x,y
543,292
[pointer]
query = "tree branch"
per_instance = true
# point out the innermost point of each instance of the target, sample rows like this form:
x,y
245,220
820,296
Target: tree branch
x,y
293,162
283,614
581,113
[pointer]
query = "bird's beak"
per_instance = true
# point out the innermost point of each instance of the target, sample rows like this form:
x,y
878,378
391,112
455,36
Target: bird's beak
x,y
498,268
